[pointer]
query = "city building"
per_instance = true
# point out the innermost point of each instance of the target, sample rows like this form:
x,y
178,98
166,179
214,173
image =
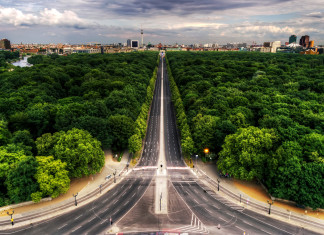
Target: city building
x,y
129,42
269,47
274,46
311,43
304,41
5,44
134,44
292,39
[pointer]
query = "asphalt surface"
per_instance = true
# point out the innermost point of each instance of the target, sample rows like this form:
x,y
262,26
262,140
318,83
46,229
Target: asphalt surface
x,y
192,207
214,210
173,154
150,154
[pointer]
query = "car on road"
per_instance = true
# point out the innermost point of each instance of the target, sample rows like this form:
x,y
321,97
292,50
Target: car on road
x,y
108,177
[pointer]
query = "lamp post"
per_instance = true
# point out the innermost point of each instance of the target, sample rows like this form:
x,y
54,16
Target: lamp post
x,y
206,151
218,184
270,203
75,200
115,175
12,220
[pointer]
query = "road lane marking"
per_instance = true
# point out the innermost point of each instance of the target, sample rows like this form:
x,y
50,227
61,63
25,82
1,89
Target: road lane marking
x,y
76,229
240,228
78,217
264,231
247,223
209,211
62,226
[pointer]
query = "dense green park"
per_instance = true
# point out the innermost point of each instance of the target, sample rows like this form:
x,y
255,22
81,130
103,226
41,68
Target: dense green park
x,y
57,116
260,114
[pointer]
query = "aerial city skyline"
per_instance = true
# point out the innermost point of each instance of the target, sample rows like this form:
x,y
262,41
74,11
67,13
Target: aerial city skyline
x,y
168,22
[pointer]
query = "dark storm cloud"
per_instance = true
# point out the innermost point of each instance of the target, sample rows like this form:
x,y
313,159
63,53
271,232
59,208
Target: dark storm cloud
x,y
183,7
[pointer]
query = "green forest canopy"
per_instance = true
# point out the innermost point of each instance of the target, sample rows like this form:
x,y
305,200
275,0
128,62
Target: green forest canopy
x,y
58,115
261,114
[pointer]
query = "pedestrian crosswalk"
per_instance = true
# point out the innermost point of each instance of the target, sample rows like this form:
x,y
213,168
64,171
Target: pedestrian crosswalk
x,y
221,199
196,226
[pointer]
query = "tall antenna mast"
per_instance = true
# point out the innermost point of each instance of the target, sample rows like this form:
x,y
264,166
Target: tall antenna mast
x,y
142,35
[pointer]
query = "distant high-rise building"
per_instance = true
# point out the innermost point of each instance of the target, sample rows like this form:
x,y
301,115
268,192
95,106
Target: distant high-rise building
x,y
5,44
134,44
304,41
292,39
129,42
311,43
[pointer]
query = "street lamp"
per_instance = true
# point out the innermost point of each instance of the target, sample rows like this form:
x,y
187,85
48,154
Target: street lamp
x,y
75,200
270,203
12,221
218,184
115,175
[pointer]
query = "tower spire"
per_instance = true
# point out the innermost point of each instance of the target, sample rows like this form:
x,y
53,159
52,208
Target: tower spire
x,y
142,36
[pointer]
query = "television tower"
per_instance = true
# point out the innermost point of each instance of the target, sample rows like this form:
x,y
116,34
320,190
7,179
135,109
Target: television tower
x,y
142,35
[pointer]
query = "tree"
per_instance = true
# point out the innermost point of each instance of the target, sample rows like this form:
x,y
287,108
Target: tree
x,y
4,133
20,180
313,145
135,143
45,144
203,129
24,137
122,127
245,153
80,151
52,178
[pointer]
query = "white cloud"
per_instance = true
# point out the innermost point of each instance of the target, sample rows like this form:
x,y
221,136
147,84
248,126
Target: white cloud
x,y
16,17
49,17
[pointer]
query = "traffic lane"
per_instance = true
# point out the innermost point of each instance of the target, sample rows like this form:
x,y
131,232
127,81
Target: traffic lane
x,y
89,212
69,221
150,155
210,211
213,213
293,229
101,222
173,157
100,211
151,136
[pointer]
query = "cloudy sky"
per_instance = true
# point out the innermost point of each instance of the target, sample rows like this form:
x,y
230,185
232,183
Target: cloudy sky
x,y
166,21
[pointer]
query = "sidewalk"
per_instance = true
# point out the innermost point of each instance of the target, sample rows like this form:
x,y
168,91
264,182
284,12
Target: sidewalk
x,y
82,186
253,193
